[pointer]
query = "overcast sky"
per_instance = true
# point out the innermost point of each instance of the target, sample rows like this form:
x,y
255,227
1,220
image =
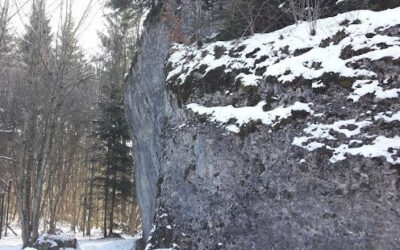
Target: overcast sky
x,y
87,35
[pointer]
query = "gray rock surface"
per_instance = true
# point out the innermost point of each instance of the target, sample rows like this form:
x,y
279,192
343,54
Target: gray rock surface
x,y
201,187
146,107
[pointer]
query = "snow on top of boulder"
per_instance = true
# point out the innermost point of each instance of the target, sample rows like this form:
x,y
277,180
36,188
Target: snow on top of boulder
x,y
244,115
43,239
291,52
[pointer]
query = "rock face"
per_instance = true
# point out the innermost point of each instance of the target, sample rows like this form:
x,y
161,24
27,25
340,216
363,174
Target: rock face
x,y
274,142
146,104
148,107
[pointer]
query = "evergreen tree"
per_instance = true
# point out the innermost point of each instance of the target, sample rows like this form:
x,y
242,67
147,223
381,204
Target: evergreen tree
x,y
131,5
113,132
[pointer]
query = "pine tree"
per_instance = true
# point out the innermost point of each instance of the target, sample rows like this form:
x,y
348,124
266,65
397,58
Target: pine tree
x,y
112,126
131,5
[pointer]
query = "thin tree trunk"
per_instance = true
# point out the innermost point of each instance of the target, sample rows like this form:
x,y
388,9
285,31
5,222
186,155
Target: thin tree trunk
x,y
114,186
124,210
2,197
106,184
8,206
90,205
83,227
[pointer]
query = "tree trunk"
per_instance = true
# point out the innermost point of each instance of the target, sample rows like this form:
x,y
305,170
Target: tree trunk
x,y
2,197
24,182
124,216
134,218
114,186
42,163
90,205
84,215
106,184
8,206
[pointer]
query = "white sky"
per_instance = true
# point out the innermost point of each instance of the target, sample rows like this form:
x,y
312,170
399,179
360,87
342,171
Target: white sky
x,y
87,34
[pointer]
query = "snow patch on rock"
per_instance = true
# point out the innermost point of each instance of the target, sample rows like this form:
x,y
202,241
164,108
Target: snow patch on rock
x,y
388,116
364,87
318,136
380,147
244,115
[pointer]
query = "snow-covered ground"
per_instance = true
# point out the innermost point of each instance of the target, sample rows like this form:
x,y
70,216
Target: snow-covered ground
x,y
127,244
12,242
100,244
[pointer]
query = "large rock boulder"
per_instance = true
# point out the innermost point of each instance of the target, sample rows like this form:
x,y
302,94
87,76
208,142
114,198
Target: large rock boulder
x,y
277,141
55,242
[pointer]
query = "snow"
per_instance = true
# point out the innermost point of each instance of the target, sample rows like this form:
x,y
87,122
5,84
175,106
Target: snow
x,y
244,115
392,52
233,128
380,148
298,66
372,43
148,246
363,87
299,141
317,85
108,244
387,94
12,242
318,135
275,50
181,126
388,116
163,215
249,80
322,130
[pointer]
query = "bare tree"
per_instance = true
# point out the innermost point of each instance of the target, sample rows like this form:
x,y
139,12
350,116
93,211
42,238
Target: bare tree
x,y
308,10
48,99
